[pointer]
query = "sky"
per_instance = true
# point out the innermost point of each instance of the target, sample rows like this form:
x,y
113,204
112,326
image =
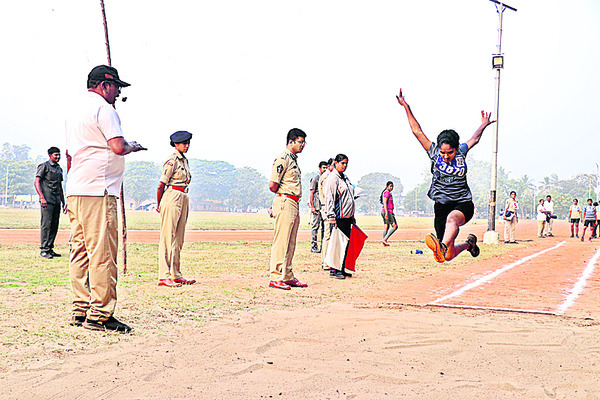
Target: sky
x,y
240,74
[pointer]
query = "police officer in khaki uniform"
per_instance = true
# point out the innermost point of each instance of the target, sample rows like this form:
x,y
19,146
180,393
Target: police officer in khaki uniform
x,y
285,182
173,205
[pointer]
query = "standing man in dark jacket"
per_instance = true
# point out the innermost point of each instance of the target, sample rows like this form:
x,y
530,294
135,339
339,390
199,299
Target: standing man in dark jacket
x,y
48,185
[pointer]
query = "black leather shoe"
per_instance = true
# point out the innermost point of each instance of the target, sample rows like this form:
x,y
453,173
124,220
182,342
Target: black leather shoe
x,y
46,254
54,254
110,324
77,320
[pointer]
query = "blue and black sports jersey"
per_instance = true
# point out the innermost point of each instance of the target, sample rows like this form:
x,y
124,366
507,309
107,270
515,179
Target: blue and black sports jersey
x,y
589,213
449,181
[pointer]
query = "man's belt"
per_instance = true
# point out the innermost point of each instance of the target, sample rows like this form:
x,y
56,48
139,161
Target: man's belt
x,y
183,189
289,196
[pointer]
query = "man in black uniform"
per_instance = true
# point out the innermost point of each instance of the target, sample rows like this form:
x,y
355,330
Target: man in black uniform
x,y
48,184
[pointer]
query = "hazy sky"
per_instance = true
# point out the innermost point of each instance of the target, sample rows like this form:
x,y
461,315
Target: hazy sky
x,y
239,74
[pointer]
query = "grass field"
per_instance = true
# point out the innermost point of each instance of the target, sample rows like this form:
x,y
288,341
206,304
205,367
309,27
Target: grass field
x,y
35,293
30,219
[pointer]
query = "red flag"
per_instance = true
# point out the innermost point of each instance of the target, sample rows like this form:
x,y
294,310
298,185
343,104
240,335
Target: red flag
x,y
355,246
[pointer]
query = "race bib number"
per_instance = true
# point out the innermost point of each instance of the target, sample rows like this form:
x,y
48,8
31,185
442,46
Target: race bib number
x,y
449,172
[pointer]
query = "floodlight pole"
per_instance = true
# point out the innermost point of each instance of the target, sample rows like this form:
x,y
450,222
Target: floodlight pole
x,y
500,7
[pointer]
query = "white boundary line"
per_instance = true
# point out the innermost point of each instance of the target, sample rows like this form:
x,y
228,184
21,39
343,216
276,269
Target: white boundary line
x,y
519,310
488,277
580,284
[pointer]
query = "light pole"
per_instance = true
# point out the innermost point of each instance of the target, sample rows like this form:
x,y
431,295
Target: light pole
x,y
497,63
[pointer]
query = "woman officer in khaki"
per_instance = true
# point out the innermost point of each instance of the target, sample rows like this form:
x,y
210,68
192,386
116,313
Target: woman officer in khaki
x,y
173,205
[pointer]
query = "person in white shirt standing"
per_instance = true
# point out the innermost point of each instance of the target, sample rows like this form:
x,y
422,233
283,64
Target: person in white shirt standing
x,y
549,206
95,167
510,218
541,219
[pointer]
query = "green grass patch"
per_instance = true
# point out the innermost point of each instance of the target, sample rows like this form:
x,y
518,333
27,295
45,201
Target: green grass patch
x,y
150,220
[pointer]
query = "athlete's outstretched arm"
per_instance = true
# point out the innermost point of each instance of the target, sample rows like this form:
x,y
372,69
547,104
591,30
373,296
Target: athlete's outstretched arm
x,y
485,121
414,125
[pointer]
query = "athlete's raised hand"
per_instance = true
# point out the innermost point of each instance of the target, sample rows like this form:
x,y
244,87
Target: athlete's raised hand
x,y
401,99
485,118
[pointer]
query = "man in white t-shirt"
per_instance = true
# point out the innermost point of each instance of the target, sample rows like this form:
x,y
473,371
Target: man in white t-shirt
x,y
95,167
549,206
541,219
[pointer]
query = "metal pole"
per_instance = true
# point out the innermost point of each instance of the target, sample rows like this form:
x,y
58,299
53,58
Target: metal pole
x,y
123,218
494,175
500,7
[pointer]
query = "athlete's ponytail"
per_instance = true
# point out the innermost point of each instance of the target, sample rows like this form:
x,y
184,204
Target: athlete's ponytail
x,y
383,191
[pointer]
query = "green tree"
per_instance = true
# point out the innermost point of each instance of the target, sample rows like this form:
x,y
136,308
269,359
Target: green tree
x,y
21,175
211,179
373,184
140,181
11,152
250,190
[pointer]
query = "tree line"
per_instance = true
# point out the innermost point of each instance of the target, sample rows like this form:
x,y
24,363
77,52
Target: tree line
x,y
245,189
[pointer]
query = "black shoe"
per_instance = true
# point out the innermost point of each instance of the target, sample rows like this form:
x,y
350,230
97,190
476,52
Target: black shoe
x,y
340,275
46,254
313,250
473,248
332,272
349,275
572,235
77,320
110,324
54,254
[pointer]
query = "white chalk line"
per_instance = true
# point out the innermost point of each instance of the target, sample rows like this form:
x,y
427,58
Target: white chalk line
x,y
490,276
507,309
580,284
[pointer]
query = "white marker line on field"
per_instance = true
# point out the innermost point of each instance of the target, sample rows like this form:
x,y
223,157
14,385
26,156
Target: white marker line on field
x,y
517,310
580,284
494,274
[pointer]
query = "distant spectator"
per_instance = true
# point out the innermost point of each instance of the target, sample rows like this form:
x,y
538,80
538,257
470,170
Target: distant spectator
x,y
541,219
574,218
510,218
549,206
589,218
48,185
387,212
594,236
314,202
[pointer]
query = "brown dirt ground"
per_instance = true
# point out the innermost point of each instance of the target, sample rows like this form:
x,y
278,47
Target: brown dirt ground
x,y
383,343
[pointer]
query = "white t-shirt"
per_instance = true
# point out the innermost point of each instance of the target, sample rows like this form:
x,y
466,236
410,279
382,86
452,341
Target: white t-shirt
x,y
540,215
95,168
549,206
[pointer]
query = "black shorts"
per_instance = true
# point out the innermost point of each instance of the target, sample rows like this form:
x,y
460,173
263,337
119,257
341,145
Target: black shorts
x,y
441,211
575,220
391,219
589,222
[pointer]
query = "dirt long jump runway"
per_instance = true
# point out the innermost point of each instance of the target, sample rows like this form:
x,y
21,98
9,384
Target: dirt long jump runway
x,y
402,339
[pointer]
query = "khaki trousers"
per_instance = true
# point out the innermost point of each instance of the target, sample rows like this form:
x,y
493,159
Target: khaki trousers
x,y
541,225
287,221
509,230
549,226
327,230
93,259
174,210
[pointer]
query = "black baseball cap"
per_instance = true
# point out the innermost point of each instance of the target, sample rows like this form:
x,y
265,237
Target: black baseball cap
x,y
103,73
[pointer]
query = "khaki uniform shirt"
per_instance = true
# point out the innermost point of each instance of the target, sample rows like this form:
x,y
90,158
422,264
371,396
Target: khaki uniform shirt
x,y
176,171
286,173
322,186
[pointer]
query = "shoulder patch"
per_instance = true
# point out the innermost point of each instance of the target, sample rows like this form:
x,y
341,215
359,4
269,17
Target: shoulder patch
x,y
279,169
169,163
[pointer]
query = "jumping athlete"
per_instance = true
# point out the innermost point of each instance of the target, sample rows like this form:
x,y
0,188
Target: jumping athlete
x,y
449,189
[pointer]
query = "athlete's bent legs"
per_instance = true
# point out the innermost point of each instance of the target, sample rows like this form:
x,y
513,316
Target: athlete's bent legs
x,y
454,220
